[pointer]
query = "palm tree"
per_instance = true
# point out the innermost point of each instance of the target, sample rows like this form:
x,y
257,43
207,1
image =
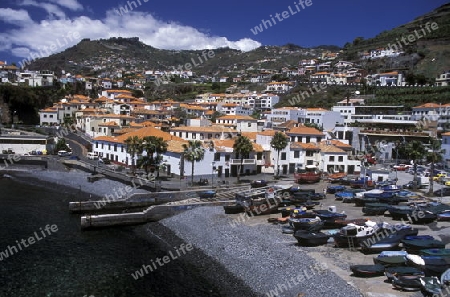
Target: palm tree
x,y
152,145
279,142
193,152
415,150
434,155
133,147
242,147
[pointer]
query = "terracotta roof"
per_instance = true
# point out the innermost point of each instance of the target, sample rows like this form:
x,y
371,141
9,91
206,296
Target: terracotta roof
x,y
236,117
176,146
219,145
109,124
212,129
329,148
250,135
305,146
428,105
316,109
267,133
303,130
118,91
340,144
146,131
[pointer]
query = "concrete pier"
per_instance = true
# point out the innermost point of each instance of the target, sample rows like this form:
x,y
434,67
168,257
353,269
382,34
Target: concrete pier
x,y
152,214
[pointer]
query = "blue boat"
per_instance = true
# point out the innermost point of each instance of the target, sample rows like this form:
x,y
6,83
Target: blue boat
x,y
207,194
335,189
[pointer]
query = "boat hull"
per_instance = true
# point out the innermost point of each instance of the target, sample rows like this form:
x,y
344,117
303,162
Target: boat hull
x,y
306,238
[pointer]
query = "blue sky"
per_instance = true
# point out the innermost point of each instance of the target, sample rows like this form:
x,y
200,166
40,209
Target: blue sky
x,y
28,26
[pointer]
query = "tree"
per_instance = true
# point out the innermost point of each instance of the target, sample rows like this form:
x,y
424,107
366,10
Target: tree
x,y
133,147
242,147
415,150
152,145
193,152
279,142
433,155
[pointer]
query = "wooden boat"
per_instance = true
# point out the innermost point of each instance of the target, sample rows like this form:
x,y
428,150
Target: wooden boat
x,y
406,283
232,209
430,265
355,234
391,258
379,243
326,215
310,224
435,252
311,174
367,270
445,278
375,209
306,238
415,245
443,216
431,286
405,271
401,212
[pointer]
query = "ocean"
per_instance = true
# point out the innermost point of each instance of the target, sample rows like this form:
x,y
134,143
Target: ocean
x,y
44,253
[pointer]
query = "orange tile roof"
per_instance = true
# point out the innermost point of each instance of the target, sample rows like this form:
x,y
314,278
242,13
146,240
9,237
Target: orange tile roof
x,y
316,109
329,148
340,144
303,130
236,117
267,133
250,135
212,129
305,146
118,91
428,105
176,146
146,131
108,124
390,73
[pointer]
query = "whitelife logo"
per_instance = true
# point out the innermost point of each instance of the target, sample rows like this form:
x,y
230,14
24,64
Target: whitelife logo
x,y
281,16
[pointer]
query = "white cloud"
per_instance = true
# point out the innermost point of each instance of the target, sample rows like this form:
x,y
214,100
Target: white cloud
x,y
51,9
157,33
17,17
70,4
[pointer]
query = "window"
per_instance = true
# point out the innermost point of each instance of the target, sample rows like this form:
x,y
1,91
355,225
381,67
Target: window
x,y
296,154
109,146
45,116
115,147
209,136
309,162
283,156
102,145
309,153
51,116
331,159
217,157
249,124
227,158
194,135
259,156
96,145
121,148
341,159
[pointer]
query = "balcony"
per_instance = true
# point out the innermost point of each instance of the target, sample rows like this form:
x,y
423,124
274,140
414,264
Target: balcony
x,y
245,162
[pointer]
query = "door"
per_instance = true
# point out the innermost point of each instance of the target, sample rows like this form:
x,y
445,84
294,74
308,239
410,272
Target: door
x,y
227,172
219,171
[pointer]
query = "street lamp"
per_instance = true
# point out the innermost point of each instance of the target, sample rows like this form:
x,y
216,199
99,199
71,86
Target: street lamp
x,y
212,176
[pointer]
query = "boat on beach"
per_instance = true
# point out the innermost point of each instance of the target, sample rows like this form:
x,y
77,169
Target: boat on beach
x,y
355,234
367,270
311,224
307,238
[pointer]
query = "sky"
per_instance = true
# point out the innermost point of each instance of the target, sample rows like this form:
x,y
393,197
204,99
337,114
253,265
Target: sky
x,y
34,28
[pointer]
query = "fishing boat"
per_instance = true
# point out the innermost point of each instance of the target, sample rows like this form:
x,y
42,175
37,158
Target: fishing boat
x,y
329,216
307,238
391,258
354,234
361,200
431,286
339,223
207,194
367,270
417,244
375,209
404,271
430,265
381,242
445,278
311,224
443,216
406,283
435,252
310,174
335,189
401,212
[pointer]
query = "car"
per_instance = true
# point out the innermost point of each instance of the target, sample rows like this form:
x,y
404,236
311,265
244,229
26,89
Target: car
x,y
447,183
63,153
105,161
258,183
442,192
439,176
74,158
400,167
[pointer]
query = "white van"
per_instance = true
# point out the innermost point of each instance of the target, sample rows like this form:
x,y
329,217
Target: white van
x,y
92,156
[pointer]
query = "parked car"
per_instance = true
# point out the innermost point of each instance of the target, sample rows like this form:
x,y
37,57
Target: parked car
x,y
439,176
444,191
105,161
258,183
63,153
400,167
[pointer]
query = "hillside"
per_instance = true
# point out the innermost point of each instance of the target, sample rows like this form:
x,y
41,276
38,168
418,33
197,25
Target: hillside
x,y
429,55
94,57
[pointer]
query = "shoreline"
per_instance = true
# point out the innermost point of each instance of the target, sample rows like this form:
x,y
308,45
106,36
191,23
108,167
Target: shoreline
x,y
214,280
